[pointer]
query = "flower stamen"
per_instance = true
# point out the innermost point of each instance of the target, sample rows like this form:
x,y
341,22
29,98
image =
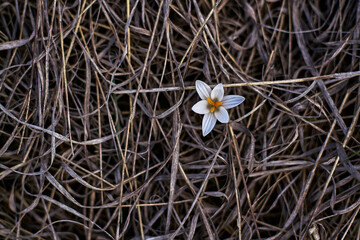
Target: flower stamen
x,y
213,104
218,104
210,101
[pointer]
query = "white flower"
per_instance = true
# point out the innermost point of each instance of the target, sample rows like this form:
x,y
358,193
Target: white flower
x,y
213,104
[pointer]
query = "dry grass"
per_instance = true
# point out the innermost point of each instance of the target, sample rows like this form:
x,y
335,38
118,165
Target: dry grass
x,y
98,140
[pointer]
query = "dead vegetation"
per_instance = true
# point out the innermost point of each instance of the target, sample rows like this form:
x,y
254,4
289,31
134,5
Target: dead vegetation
x,y
98,140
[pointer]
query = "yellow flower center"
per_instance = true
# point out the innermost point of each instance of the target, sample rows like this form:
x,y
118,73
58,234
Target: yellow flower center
x,y
213,105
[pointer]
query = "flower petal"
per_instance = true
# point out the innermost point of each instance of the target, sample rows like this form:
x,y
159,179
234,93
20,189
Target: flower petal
x,y
217,93
201,107
208,123
202,89
222,115
231,101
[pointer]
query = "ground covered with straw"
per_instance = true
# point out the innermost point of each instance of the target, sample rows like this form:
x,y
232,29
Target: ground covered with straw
x,y
98,139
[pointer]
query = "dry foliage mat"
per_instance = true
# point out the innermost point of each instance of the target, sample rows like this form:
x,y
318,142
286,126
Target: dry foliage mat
x,y
98,140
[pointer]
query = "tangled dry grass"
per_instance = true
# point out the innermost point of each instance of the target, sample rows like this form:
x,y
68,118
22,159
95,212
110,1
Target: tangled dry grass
x,y
98,140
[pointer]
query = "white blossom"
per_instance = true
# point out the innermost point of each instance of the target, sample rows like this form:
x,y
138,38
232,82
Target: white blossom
x,y
213,105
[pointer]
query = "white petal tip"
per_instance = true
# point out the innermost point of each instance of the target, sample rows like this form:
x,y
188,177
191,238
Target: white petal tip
x,y
201,107
222,115
218,92
231,101
202,89
208,123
